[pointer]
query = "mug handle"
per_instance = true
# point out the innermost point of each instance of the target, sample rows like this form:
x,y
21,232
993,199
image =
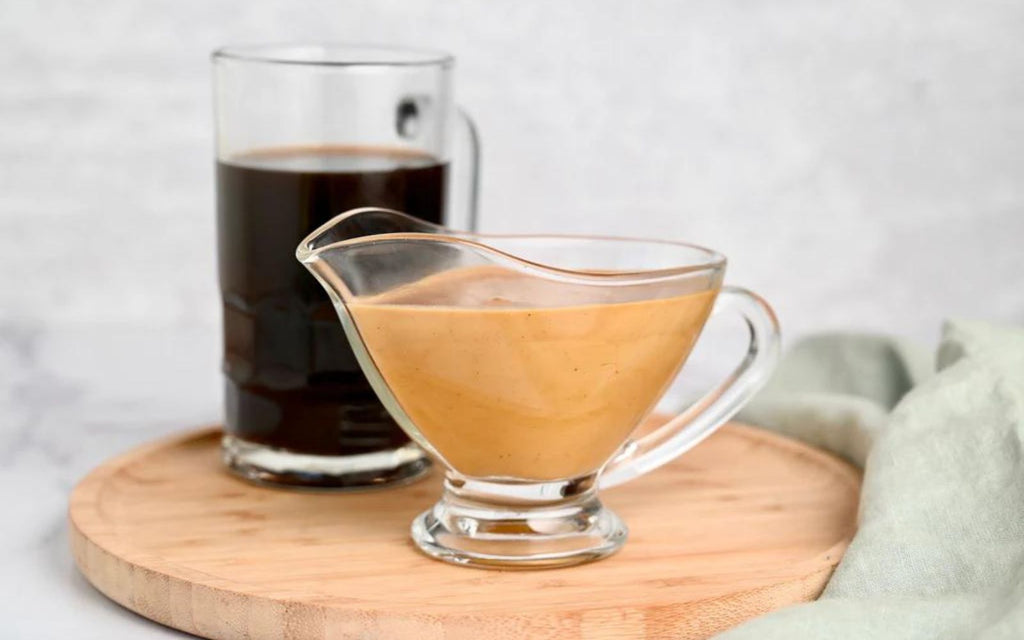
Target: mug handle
x,y
714,408
462,214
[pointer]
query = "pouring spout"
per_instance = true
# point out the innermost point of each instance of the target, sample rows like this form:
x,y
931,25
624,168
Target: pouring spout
x,y
360,223
370,250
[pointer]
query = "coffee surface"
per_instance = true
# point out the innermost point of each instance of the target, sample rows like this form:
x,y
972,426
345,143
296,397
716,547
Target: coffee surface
x,y
291,379
505,383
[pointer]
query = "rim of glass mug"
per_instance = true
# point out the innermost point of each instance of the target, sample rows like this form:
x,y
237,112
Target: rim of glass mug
x,y
336,54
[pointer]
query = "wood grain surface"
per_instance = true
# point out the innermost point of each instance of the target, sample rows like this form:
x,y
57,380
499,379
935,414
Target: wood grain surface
x,y
745,523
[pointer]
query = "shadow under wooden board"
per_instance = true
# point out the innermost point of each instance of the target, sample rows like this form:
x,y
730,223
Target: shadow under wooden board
x,y
745,523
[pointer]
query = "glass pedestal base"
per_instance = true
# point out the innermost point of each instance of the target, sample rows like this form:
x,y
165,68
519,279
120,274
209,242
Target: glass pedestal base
x,y
286,469
500,525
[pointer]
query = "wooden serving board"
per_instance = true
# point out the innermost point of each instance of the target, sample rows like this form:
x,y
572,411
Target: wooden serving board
x,y
745,523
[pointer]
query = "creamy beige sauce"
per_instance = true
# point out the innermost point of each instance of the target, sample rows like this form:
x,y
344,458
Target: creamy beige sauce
x,y
505,385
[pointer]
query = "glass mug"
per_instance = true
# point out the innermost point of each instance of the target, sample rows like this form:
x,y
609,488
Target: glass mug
x,y
303,134
525,365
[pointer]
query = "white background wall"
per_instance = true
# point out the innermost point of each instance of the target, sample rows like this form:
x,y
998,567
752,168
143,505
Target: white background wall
x,y
861,163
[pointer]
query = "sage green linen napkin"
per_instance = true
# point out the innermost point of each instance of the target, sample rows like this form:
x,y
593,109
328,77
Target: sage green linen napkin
x,y
939,552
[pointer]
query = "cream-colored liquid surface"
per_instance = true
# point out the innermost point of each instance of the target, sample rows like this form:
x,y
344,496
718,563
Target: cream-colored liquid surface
x,y
504,385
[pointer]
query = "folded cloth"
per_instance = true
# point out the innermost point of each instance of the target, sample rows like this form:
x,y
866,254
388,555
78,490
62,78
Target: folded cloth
x,y
939,551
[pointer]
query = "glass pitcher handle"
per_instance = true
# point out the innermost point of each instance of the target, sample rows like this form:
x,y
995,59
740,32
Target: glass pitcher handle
x,y
711,411
464,181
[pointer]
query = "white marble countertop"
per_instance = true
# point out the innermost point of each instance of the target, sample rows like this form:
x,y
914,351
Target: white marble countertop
x,y
69,399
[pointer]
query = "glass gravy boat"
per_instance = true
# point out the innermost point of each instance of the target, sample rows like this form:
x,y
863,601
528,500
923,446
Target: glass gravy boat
x,y
525,365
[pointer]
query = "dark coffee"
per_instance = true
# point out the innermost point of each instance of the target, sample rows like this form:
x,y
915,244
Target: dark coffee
x,y
291,380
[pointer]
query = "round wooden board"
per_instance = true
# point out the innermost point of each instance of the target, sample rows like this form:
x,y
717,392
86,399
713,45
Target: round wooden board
x,y
745,523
